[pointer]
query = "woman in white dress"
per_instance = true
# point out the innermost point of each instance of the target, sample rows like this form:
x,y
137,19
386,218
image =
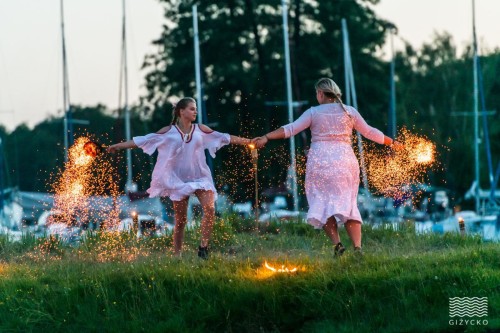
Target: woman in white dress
x,y
181,169
332,170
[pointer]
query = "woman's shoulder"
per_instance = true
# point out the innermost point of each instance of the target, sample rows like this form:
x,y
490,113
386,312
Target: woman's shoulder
x,y
352,110
164,129
205,128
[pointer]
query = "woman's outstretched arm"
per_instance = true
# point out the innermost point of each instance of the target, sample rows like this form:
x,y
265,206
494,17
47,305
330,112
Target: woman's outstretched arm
x,y
303,122
373,133
237,140
122,145
261,141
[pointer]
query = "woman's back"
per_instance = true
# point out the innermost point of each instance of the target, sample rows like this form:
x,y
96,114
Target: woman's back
x,y
329,122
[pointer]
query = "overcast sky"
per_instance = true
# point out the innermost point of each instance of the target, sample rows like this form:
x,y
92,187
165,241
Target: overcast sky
x,y
31,61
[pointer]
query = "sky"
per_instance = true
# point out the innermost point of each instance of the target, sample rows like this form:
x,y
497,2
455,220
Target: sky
x,y
31,56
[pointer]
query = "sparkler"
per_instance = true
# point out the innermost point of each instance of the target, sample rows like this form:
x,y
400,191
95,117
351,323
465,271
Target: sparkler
x,y
461,225
255,159
135,222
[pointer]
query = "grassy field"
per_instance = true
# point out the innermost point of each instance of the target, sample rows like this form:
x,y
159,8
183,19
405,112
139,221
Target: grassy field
x,y
115,283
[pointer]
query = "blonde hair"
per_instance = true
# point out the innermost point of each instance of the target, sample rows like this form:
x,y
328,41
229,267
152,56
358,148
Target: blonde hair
x,y
332,90
329,88
181,104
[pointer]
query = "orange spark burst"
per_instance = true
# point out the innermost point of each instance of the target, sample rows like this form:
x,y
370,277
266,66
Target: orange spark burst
x,y
423,152
393,173
85,189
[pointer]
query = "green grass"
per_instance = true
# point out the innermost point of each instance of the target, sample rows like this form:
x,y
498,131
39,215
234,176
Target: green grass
x,y
116,283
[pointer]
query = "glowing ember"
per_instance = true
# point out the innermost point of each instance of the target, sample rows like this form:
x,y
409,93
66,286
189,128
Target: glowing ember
x,y
251,146
283,269
91,149
393,173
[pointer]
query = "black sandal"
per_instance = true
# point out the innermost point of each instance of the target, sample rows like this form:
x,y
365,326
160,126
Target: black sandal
x,y
203,252
339,249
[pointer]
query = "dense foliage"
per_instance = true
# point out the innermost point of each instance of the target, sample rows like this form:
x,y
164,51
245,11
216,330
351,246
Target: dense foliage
x,y
241,46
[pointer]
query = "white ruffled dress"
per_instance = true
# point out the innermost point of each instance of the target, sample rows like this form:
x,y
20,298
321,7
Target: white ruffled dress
x,y
332,170
181,166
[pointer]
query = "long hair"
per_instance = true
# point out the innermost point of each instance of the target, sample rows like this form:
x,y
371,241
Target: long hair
x,y
181,104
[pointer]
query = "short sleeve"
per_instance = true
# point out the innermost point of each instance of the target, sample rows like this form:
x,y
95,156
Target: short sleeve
x,y
303,122
149,143
214,140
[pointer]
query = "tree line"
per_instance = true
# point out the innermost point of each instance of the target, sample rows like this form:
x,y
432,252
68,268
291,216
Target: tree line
x,y
242,61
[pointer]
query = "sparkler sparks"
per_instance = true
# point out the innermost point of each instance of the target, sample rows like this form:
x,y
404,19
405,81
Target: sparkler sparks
x,y
392,174
86,176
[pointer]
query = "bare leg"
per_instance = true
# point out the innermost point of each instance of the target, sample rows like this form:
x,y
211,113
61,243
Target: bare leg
x,y
180,212
353,229
207,222
331,230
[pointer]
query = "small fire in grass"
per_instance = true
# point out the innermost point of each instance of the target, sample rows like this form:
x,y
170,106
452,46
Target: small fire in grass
x,y
282,269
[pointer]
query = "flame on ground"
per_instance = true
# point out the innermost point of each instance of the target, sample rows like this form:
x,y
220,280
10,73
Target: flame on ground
x,y
268,270
283,269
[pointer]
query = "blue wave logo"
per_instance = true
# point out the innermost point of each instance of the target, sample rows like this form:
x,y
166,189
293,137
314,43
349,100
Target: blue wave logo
x,y
468,306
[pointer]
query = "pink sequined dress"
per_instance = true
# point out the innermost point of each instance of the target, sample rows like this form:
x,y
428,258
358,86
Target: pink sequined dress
x,y
181,166
332,171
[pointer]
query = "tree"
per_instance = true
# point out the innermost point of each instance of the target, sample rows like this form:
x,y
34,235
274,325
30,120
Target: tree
x,y
434,84
241,46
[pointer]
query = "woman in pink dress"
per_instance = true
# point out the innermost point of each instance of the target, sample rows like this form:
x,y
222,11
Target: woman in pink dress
x,y
332,171
181,169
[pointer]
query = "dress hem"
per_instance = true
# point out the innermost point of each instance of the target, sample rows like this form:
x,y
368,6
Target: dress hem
x,y
318,222
180,196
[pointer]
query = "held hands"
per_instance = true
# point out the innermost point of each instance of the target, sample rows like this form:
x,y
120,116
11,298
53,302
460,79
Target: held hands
x,y
260,141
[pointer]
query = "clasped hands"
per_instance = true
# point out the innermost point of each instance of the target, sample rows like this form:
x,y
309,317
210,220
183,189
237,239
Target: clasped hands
x,y
259,141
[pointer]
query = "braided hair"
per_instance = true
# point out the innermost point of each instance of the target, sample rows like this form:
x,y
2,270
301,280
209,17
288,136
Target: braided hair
x,y
331,90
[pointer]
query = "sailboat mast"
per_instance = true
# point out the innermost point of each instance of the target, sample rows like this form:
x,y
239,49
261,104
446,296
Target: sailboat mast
x,y
293,164
351,92
476,108
197,64
67,111
392,108
126,111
